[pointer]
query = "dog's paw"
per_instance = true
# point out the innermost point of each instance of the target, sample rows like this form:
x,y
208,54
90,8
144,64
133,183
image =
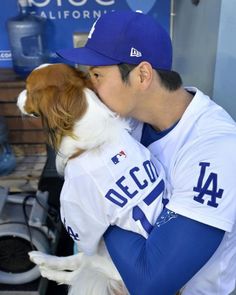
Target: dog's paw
x,y
59,276
55,262
40,258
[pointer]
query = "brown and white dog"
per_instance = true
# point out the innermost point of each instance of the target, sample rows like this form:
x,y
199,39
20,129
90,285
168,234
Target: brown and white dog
x,y
69,110
77,123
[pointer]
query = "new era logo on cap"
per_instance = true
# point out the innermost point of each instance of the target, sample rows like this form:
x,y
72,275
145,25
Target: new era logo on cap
x,y
135,52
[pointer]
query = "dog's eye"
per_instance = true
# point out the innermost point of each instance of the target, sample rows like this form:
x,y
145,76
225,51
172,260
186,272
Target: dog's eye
x,y
35,115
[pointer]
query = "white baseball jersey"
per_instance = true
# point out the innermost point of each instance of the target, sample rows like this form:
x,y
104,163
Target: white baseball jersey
x,y
119,183
199,157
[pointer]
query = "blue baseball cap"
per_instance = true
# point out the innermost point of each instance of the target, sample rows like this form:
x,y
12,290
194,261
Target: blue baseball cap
x,y
123,37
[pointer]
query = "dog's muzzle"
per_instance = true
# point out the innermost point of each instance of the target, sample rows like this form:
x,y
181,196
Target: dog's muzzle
x,y
21,100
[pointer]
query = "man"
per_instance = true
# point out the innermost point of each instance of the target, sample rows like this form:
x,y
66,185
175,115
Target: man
x,y
192,246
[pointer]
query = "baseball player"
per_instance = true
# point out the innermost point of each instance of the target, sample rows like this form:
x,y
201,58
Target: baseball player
x,y
130,56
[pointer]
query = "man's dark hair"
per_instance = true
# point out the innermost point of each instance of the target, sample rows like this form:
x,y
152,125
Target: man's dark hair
x,y
171,80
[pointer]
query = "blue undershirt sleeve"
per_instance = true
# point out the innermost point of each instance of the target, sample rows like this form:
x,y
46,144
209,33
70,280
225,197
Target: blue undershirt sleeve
x,y
175,250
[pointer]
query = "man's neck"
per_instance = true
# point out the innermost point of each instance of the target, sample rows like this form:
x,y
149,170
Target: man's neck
x,y
163,109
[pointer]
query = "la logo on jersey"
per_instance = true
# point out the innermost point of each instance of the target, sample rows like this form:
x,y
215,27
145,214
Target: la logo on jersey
x,y
135,53
119,157
70,231
207,187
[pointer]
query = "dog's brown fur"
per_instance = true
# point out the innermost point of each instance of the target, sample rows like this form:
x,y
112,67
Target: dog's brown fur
x,y
57,96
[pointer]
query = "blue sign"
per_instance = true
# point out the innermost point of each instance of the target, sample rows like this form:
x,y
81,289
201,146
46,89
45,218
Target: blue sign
x,y
68,17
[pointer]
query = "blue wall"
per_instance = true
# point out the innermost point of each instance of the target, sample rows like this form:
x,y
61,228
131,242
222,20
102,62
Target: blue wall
x,y
65,17
225,69
204,43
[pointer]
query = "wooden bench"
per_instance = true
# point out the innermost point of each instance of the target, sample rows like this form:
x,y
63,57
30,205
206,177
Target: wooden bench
x,y
25,137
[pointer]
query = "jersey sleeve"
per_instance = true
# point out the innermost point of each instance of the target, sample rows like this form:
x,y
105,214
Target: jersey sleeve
x,y
82,214
203,185
168,259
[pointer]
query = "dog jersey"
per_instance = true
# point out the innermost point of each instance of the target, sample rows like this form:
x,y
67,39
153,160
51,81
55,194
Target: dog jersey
x,y
118,183
198,155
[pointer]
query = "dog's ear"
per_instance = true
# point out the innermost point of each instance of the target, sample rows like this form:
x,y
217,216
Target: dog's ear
x,y
60,108
41,103
56,94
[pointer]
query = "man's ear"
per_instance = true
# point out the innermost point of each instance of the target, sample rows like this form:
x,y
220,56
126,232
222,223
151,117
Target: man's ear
x,y
145,72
